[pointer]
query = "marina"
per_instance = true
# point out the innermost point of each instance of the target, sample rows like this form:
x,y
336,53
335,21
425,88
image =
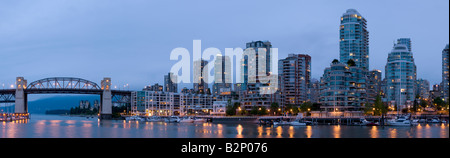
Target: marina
x,y
54,126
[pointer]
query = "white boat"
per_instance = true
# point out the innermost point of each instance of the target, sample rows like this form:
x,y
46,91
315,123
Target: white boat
x,y
364,122
199,120
172,119
281,123
187,120
297,123
400,121
434,121
134,118
154,119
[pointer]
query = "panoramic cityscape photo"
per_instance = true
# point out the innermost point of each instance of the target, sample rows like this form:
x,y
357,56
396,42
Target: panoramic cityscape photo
x,y
224,69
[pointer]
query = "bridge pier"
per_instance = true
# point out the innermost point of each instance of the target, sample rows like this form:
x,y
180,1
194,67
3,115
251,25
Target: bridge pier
x,y
21,106
106,106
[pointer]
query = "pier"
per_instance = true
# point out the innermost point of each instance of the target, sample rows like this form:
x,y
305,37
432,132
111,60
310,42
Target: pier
x,y
13,117
348,120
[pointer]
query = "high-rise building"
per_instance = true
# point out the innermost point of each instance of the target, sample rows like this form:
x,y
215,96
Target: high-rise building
x,y
354,39
375,81
295,78
423,89
251,64
343,88
222,77
170,85
405,41
400,77
200,79
445,73
252,70
155,87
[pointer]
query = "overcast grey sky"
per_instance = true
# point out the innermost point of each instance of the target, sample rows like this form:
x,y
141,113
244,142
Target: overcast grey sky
x,y
131,41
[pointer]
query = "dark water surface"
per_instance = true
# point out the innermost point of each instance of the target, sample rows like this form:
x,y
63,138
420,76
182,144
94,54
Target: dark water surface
x,y
52,126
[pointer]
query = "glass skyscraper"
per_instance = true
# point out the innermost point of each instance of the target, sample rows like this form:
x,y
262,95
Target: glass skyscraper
x,y
251,64
400,77
405,41
295,78
354,39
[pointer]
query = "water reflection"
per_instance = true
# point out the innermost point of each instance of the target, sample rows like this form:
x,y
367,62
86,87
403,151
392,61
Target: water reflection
x,y
374,132
337,131
239,129
308,132
73,127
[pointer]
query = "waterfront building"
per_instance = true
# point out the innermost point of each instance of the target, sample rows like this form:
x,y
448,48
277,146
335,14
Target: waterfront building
x,y
155,87
354,39
155,103
343,88
219,108
400,77
423,89
250,99
170,83
295,78
200,79
445,73
222,77
193,103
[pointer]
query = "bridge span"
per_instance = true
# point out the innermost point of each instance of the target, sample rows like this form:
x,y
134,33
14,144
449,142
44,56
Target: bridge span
x,y
64,85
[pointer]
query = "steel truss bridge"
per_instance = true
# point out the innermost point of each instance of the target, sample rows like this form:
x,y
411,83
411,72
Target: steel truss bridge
x,y
64,85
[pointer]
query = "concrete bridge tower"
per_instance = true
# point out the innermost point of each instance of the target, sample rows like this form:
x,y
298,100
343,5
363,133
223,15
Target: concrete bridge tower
x,y
106,107
21,98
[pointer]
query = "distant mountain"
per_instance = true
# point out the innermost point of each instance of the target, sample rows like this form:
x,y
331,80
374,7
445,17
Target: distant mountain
x,y
58,103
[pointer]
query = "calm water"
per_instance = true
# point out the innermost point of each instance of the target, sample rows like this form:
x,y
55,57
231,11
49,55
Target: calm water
x,y
50,126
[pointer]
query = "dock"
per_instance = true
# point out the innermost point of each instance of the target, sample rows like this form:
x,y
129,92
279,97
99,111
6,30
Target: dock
x,y
7,117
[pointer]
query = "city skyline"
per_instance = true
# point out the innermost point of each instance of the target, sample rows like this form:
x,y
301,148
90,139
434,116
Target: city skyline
x,y
94,52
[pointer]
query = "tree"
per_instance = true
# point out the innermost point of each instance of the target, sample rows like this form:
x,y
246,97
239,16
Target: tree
x,y
254,110
423,103
335,61
274,107
262,111
306,106
351,63
380,107
439,103
368,109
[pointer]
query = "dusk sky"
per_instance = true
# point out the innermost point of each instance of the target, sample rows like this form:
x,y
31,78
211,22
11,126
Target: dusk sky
x,y
131,41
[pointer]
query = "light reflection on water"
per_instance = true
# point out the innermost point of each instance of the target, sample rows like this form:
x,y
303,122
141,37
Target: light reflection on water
x,y
46,126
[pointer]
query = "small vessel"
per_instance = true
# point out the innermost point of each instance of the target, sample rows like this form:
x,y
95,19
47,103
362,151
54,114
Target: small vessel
x,y
187,120
434,120
154,119
199,120
134,118
400,121
173,119
281,123
297,123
